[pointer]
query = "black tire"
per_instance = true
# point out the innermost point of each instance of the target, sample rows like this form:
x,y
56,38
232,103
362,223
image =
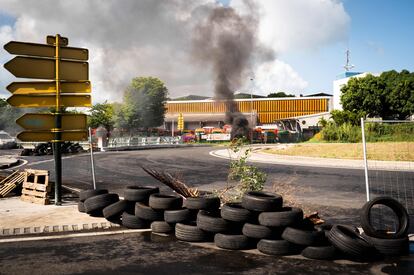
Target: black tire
x,y
97,203
139,193
287,216
162,227
257,231
180,215
165,202
262,201
303,237
212,222
236,213
134,222
278,247
350,243
320,252
191,233
115,210
202,203
145,212
86,194
233,242
81,207
389,247
400,212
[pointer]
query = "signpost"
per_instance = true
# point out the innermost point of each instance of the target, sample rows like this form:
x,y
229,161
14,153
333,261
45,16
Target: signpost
x,y
68,69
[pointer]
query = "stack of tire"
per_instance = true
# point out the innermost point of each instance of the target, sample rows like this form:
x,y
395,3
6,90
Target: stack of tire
x,y
94,201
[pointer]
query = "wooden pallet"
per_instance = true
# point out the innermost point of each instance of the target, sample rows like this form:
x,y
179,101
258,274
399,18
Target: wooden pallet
x,y
9,183
36,186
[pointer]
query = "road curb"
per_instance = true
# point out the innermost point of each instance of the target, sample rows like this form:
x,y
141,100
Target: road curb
x,y
146,147
48,229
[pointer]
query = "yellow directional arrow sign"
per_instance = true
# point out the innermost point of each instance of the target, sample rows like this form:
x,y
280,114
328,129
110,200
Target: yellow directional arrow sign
x,y
43,50
31,67
49,100
51,40
46,87
49,135
46,122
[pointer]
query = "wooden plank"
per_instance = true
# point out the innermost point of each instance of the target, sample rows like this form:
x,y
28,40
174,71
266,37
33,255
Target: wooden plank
x,y
34,193
43,201
39,187
37,172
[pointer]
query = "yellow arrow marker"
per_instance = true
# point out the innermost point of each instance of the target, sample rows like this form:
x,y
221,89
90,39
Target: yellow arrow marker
x,y
34,101
30,67
49,136
43,50
24,88
45,122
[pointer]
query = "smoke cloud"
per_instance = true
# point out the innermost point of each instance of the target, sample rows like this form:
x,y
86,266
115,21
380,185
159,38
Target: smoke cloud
x,y
129,38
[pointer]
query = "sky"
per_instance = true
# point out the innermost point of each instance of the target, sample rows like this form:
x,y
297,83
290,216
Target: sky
x,y
128,38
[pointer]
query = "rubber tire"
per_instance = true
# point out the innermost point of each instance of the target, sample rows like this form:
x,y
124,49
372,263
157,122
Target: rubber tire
x,y
399,211
165,202
115,210
162,227
278,247
319,252
212,222
180,215
303,237
262,201
86,194
133,222
99,202
145,212
139,193
81,207
287,216
236,213
257,231
233,242
350,243
190,232
202,203
389,247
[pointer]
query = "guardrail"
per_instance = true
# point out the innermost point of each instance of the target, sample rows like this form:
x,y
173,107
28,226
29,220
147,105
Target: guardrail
x,y
142,141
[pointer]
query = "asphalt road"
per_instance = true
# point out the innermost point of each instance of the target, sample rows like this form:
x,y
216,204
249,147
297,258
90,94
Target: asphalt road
x,y
337,194
152,254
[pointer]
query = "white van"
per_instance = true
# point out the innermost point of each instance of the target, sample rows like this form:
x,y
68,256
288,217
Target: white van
x,y
6,141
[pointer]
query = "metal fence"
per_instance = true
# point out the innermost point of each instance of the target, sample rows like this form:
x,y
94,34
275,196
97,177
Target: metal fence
x,y
388,148
142,141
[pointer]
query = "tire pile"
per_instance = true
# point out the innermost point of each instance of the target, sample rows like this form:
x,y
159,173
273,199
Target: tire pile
x,y
259,221
46,149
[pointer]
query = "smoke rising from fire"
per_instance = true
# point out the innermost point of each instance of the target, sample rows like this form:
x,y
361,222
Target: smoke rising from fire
x,y
227,42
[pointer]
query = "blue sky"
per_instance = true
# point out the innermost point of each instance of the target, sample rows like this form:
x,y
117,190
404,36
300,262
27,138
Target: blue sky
x,y
380,36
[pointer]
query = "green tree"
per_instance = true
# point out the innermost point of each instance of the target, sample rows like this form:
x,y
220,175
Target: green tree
x,y
8,116
280,94
389,96
102,114
144,103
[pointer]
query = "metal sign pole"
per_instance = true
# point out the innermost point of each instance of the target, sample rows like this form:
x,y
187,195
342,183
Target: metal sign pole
x,y
58,128
92,163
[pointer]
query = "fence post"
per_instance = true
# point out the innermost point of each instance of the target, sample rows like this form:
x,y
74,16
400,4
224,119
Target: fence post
x,y
364,148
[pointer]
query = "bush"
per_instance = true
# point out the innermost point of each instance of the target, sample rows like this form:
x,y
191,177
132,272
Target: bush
x,y
342,133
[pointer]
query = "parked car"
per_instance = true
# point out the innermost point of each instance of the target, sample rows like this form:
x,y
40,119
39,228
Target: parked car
x,y
7,141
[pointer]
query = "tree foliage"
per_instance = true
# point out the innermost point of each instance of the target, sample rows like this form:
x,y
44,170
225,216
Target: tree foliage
x,y
144,103
102,114
8,116
389,96
280,94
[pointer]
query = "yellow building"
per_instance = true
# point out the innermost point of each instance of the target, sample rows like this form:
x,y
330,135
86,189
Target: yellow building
x,y
262,111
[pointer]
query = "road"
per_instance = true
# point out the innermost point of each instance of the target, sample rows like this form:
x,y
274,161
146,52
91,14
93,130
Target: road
x,y
152,254
337,194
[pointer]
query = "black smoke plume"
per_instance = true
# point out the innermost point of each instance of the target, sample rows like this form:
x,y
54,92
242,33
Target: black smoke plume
x,y
227,41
